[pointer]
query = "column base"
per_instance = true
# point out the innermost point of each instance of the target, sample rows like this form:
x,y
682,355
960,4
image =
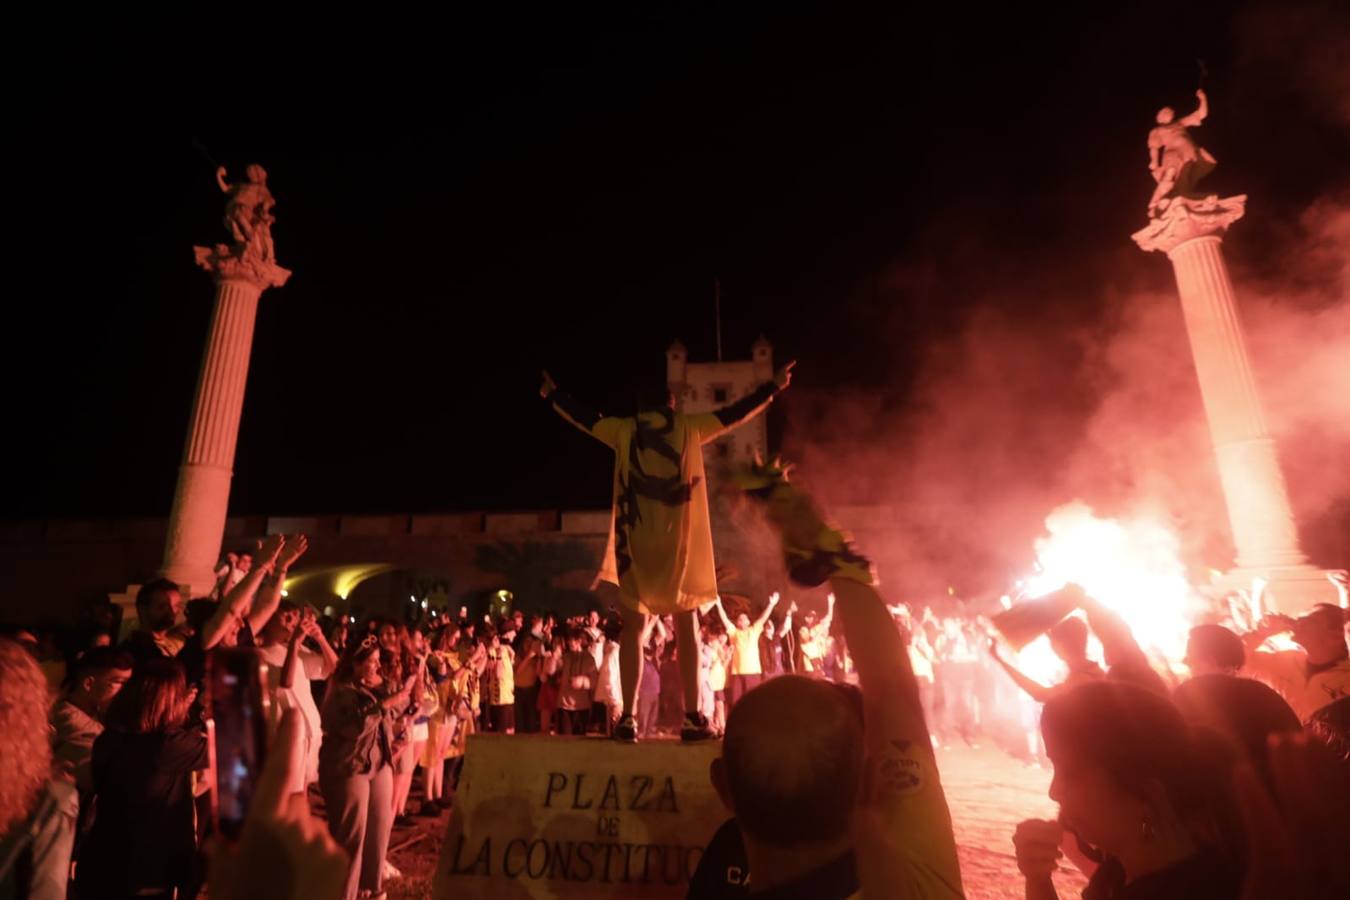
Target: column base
x,y
1291,590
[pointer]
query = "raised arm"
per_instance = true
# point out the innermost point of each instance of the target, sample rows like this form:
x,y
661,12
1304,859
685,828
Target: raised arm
x,y
1201,111
768,610
823,626
292,658
902,831
237,602
576,412
1037,691
722,420
261,612
903,834
310,625
890,691
722,614
1268,627
1124,658
1340,580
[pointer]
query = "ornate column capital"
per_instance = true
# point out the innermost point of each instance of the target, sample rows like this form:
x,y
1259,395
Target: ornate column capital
x,y
1186,219
238,263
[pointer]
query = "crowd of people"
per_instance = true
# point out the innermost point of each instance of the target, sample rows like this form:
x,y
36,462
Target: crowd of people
x,y
1229,782
114,795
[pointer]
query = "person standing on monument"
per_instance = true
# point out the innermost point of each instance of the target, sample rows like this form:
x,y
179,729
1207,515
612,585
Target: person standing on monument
x,y
660,552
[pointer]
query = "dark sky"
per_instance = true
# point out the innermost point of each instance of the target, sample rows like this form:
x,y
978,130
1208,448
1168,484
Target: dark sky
x,y
463,202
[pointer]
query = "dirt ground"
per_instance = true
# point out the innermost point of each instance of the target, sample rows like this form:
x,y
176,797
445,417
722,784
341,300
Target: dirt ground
x,y
988,792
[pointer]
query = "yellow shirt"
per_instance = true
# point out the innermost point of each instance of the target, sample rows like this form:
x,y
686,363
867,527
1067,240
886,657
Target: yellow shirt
x,y
745,650
660,550
909,816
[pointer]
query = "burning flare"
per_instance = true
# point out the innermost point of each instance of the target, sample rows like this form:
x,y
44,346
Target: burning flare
x,y
1132,565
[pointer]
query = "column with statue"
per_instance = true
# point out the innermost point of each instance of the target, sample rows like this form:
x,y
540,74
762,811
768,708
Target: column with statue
x,y
1189,228
242,269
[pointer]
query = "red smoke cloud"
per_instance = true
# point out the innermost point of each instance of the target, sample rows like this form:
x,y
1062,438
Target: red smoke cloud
x,y
1022,410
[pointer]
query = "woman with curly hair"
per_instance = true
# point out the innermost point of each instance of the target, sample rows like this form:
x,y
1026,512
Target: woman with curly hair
x,y
25,751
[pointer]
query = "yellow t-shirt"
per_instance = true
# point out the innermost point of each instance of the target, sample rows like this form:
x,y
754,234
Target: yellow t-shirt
x,y
660,550
745,650
914,825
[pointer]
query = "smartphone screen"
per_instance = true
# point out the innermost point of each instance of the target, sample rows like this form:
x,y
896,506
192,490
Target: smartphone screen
x,y
236,708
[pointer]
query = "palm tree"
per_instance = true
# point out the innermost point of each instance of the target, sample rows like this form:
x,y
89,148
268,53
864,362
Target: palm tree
x,y
529,569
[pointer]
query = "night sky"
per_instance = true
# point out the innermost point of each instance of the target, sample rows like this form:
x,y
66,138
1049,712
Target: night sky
x,y
463,202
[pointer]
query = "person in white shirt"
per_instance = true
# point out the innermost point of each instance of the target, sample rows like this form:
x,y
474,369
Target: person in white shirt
x,y
291,666
609,688
596,636
811,641
76,721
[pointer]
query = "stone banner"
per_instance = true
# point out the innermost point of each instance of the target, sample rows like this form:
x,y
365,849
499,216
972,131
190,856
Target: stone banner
x,y
544,817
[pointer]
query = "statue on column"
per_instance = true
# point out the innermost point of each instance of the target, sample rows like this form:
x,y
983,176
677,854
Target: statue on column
x,y
1176,161
248,219
248,210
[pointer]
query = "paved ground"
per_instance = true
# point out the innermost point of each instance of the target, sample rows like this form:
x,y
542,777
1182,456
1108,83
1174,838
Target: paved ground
x,y
989,794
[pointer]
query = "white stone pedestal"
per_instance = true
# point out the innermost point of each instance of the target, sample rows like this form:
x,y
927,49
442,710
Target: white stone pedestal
x,y
1264,532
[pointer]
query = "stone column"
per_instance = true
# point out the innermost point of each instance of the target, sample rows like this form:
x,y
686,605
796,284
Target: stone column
x,y
1264,531
197,522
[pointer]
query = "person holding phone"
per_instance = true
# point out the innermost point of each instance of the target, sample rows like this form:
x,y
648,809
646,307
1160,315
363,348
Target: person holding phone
x,y
144,838
356,762
291,666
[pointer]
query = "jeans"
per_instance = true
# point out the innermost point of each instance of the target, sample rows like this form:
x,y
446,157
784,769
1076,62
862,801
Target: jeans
x,y
360,817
